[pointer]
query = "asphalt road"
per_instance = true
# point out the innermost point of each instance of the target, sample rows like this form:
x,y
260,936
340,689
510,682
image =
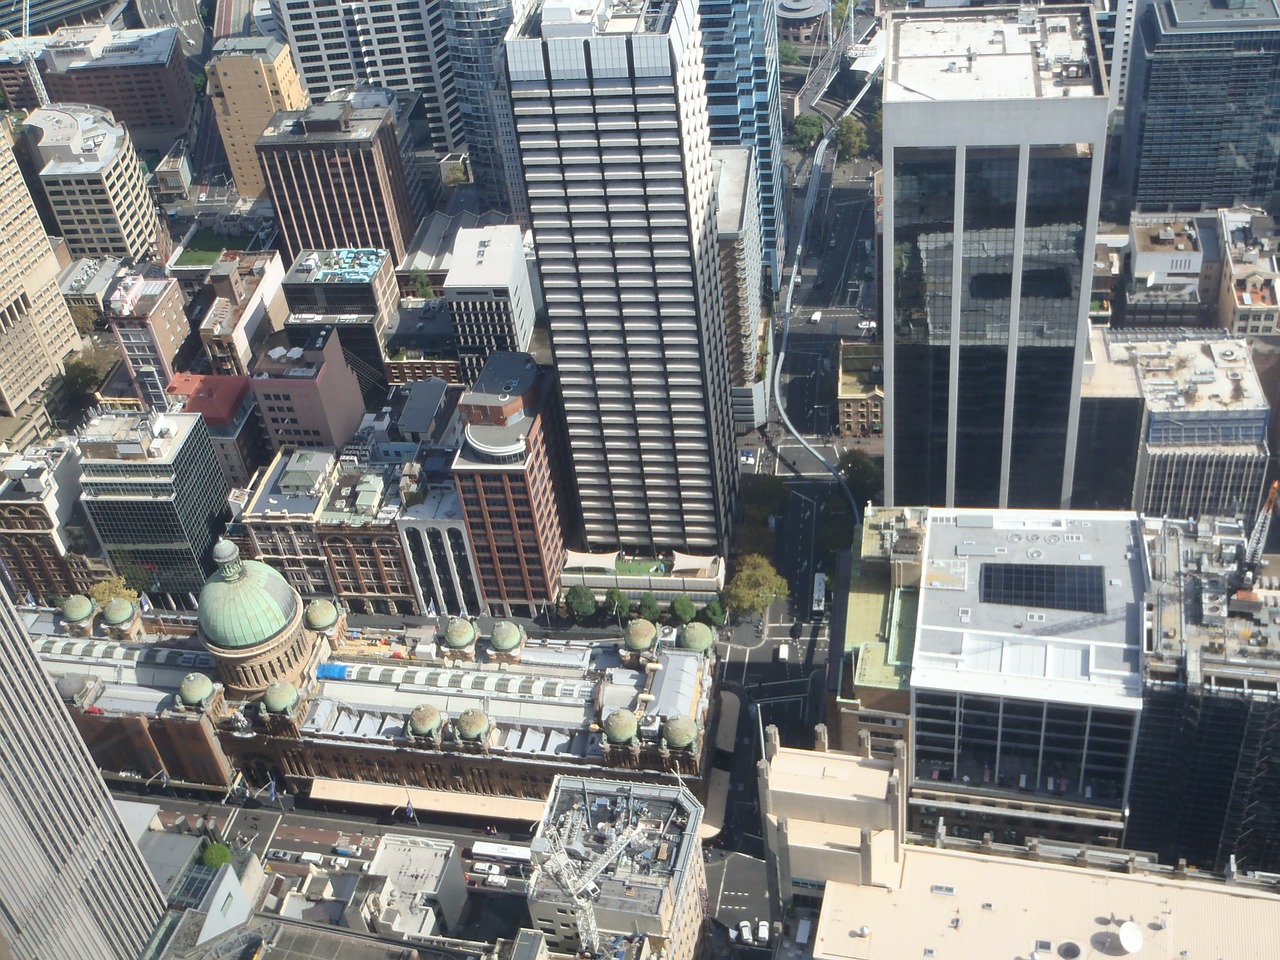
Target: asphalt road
x,y
183,14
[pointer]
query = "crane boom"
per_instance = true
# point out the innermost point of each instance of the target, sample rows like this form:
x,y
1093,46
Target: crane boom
x,y
27,57
1252,557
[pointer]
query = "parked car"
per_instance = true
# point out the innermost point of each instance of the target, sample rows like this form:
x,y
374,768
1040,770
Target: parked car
x,y
762,932
282,855
744,931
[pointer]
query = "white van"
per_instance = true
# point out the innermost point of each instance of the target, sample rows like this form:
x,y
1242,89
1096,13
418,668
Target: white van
x,y
311,858
817,317
784,653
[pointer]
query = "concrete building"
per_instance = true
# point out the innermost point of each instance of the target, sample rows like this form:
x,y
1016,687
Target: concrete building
x,y
337,177
1204,424
510,474
251,79
173,174
860,391
47,548
738,232
155,496
73,882
1172,279
308,395
88,283
633,292
150,326
994,127
89,172
343,281
441,560
1248,303
36,330
490,295
661,902
230,412
246,305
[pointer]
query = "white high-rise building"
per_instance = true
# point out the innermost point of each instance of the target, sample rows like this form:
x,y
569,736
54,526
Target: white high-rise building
x,y
611,114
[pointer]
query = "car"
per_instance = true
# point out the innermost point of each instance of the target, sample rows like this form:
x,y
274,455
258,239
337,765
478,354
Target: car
x,y
744,931
797,628
784,652
762,932
204,197
341,863
282,855
867,325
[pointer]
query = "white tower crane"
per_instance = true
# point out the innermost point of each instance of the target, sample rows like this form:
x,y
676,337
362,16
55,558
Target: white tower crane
x,y
581,885
27,57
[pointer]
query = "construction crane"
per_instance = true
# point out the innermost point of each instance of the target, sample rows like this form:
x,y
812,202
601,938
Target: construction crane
x,y
581,886
27,57
1252,558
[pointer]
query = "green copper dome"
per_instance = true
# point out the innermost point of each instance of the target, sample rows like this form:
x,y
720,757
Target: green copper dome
x,y
459,634
281,697
245,602
117,612
77,608
640,635
425,721
697,637
321,614
72,687
620,726
195,689
506,636
679,731
472,724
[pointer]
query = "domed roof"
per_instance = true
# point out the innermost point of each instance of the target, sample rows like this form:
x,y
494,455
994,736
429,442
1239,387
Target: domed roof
x,y
679,731
620,726
697,637
77,608
506,636
281,697
245,602
640,635
195,689
117,612
472,724
425,721
321,614
71,687
459,633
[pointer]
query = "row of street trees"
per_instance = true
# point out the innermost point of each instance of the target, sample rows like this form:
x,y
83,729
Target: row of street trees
x,y
581,605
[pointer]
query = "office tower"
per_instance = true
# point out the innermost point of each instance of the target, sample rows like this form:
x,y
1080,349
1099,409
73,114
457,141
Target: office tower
x,y
507,474
94,183
994,122
150,323
71,881
37,332
399,47
336,175
623,213
1203,98
155,496
250,80
308,393
490,295
744,101
230,412
343,281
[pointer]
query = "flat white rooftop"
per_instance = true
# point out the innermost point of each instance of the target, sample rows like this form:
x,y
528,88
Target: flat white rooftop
x,y
1032,604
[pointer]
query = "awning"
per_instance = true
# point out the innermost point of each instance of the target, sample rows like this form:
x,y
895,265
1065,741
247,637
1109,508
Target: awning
x,y
717,800
580,560
727,725
693,566
427,801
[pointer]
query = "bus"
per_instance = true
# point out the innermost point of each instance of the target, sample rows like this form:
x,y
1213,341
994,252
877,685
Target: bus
x,y
819,596
497,852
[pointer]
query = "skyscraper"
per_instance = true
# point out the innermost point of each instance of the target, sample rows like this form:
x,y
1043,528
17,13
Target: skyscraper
x,y
72,884
994,122
611,114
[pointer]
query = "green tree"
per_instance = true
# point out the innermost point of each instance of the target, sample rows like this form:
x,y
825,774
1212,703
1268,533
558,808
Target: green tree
x,y
763,496
215,855
851,138
754,586
649,608
839,16
805,129
83,316
580,601
81,376
616,603
874,134
862,474
104,591
713,613
682,608
788,55
420,284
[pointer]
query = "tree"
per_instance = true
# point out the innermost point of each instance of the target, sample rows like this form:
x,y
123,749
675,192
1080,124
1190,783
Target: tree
x,y
874,134
580,601
215,855
754,586
104,591
80,376
763,496
788,55
83,316
851,138
713,613
805,129
420,284
649,609
616,603
682,608
863,476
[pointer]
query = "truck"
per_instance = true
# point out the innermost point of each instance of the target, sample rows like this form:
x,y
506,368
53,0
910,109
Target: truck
x,y
803,931
348,851
311,858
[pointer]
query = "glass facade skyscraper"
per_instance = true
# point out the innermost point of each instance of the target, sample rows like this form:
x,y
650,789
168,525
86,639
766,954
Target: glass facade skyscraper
x,y
990,204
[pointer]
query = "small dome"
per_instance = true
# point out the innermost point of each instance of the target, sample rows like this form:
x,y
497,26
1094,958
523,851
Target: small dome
x,y
195,689
640,635
245,602
321,614
225,551
117,612
281,697
472,724
72,687
506,636
620,726
697,637
679,731
459,633
77,608
425,721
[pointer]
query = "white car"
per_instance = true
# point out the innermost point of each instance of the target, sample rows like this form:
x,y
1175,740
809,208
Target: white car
x,y
762,932
341,863
867,325
204,197
744,932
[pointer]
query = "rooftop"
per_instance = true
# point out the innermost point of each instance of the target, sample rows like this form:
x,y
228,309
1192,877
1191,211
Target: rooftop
x,y
346,116
433,246
485,256
88,277
76,138
1218,15
263,47
94,45
216,398
278,360
1018,53
293,485
861,370
28,476
1164,235
344,265
136,295
734,165
130,436
560,19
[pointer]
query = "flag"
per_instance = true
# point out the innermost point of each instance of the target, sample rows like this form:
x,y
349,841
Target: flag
x,y
144,602
164,779
31,600
271,791
431,608
195,604
408,809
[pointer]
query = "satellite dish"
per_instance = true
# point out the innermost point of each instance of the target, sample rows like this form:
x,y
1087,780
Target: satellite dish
x,y
1130,937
